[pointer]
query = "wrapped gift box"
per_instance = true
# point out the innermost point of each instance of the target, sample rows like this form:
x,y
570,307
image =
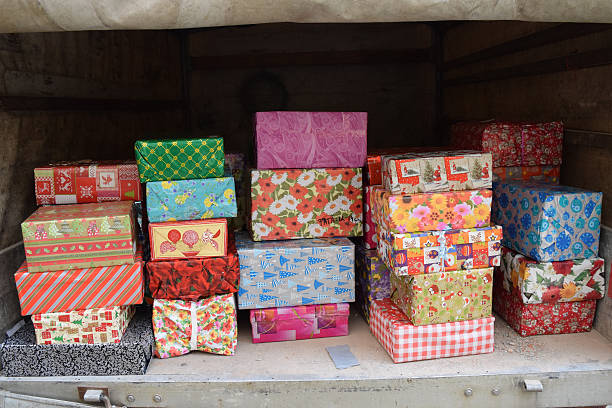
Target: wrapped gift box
x,y
286,140
86,181
289,204
548,222
184,200
437,171
406,342
205,325
432,211
369,228
374,160
22,357
435,251
91,326
444,297
179,159
550,282
512,144
300,322
188,239
545,174
236,165
542,318
373,280
79,235
292,273
193,279
79,289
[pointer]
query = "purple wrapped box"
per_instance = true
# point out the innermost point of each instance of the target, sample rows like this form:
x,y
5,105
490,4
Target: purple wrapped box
x,y
373,279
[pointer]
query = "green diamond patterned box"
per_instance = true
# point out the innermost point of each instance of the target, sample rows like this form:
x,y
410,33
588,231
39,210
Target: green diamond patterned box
x,y
179,159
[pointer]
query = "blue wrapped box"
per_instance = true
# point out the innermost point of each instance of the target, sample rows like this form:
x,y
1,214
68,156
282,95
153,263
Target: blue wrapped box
x,y
548,222
184,200
295,272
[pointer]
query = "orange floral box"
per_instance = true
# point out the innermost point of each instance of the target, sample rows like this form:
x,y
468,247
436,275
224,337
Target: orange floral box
x,y
188,239
306,203
400,214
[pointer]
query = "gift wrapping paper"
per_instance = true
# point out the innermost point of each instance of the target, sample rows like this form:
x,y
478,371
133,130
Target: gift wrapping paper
x,y
91,326
194,279
444,297
184,200
188,239
236,165
373,280
286,140
22,357
512,144
545,174
205,325
374,160
548,222
179,159
79,235
300,322
432,211
80,289
290,204
296,272
437,171
436,251
550,282
405,342
542,318
86,181
369,228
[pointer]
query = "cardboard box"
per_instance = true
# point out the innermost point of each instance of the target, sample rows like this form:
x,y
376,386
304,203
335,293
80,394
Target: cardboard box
x,y
205,325
295,272
300,322
548,222
86,181
545,174
436,251
194,279
437,171
179,159
79,236
444,297
542,318
290,204
373,279
91,326
286,140
22,357
184,200
512,143
406,342
188,239
432,211
80,289
550,282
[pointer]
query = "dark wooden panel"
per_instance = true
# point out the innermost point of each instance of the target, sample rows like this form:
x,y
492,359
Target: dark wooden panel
x,y
31,103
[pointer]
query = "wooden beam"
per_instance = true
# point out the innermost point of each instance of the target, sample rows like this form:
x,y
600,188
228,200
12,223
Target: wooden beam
x,y
353,57
551,35
572,62
35,103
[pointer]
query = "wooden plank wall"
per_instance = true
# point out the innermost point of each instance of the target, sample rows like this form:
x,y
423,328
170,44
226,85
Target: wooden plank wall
x,y
538,72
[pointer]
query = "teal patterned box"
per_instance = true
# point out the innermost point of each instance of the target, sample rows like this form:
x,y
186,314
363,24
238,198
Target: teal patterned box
x,y
183,200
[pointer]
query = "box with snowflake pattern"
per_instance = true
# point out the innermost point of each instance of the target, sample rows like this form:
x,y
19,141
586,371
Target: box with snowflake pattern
x,y
295,272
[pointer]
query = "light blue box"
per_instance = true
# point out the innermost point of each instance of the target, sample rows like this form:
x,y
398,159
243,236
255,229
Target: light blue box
x,y
548,222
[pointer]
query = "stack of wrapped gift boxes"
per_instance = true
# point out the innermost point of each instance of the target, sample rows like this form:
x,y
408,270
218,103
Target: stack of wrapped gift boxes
x,y
433,227
82,276
306,196
194,269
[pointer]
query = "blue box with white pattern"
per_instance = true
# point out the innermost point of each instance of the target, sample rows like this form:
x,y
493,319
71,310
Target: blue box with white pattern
x,y
295,272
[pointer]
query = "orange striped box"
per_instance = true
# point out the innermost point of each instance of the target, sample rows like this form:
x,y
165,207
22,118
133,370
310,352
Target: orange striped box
x,y
80,289
79,236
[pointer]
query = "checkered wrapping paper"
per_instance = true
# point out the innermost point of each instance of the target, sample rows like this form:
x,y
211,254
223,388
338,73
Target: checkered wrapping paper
x,y
405,342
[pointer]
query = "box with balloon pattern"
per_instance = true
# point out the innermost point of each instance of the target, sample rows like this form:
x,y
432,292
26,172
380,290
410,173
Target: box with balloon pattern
x,y
548,222
188,239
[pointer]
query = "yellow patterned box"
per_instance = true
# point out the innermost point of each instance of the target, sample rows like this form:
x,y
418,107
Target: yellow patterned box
x,y
188,239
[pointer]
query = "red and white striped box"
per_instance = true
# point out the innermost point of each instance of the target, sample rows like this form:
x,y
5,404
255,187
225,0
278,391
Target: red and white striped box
x,y
406,342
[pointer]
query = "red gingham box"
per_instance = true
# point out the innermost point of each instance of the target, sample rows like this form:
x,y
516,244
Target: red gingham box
x,y
406,342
